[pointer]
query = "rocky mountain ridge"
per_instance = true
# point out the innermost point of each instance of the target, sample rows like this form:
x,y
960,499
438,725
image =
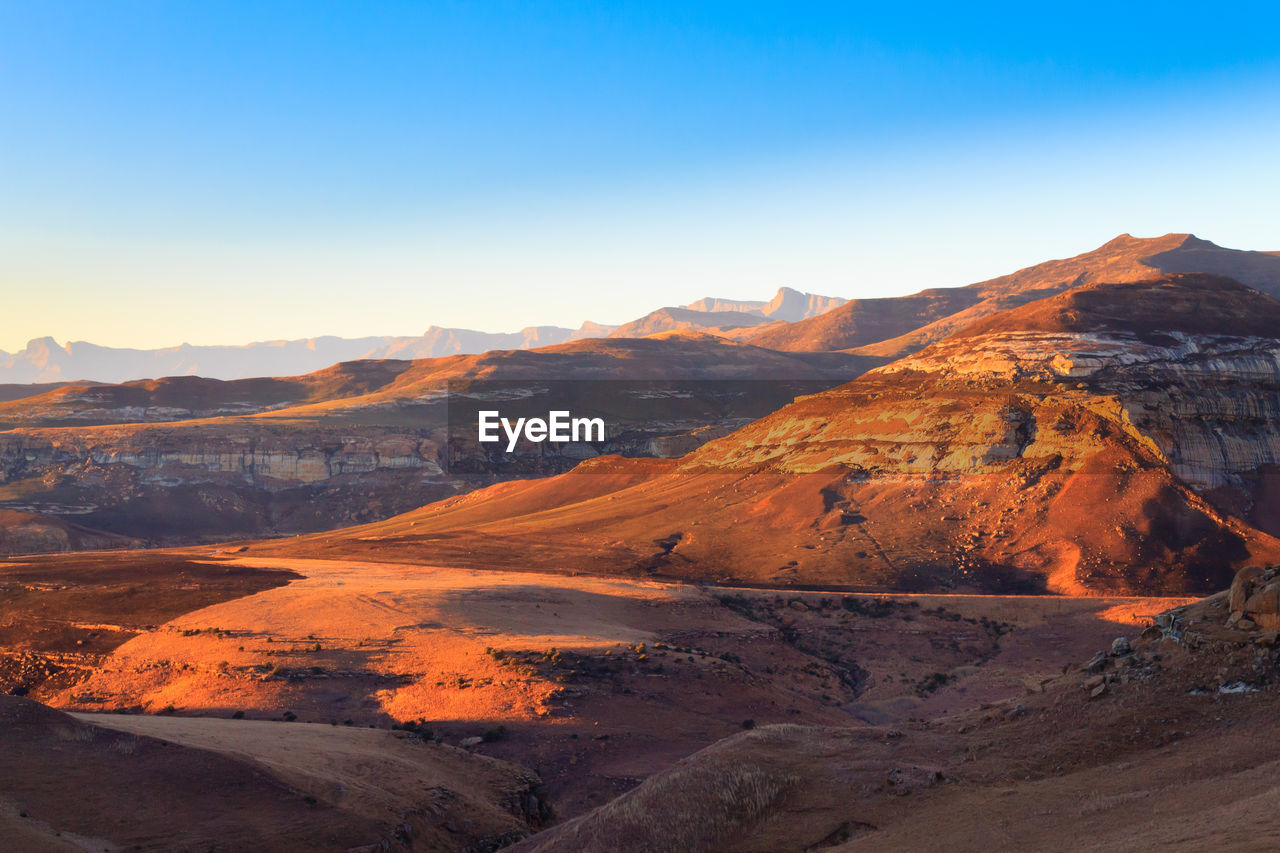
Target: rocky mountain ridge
x,y
982,463
895,326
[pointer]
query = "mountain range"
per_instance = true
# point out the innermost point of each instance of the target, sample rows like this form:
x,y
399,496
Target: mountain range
x,y
44,360
1113,438
962,458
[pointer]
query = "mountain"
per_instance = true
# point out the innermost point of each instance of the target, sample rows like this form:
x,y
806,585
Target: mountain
x,y
685,319
439,342
1108,439
895,326
788,305
44,360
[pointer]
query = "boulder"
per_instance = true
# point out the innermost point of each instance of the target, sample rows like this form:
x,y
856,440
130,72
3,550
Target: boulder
x,y
1263,607
1097,663
1254,598
1242,586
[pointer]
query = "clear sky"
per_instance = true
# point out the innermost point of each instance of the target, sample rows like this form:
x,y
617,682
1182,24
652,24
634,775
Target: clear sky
x,y
222,172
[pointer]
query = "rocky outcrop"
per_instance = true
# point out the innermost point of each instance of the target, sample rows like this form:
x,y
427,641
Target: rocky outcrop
x,y
192,455
1254,598
1191,363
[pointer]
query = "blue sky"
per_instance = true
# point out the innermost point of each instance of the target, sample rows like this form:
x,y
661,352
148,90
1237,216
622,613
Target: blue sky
x,y
226,172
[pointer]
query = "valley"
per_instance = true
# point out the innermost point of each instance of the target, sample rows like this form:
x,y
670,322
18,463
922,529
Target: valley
x,y
989,563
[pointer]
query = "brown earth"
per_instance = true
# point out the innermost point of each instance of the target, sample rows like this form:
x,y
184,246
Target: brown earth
x,y
593,683
1165,743
61,616
874,718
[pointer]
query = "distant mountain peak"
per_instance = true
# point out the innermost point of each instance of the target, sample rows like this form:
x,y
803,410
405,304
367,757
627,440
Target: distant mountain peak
x,y
788,305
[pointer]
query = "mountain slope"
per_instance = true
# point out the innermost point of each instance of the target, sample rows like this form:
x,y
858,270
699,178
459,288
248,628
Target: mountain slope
x,y
1039,450
895,326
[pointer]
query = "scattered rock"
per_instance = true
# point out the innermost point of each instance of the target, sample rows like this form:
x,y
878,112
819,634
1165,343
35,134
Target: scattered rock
x,y
1237,687
1120,646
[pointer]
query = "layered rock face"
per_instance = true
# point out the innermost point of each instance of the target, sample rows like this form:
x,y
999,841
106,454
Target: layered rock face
x,y
259,459
1200,386
1079,444
200,482
1176,379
